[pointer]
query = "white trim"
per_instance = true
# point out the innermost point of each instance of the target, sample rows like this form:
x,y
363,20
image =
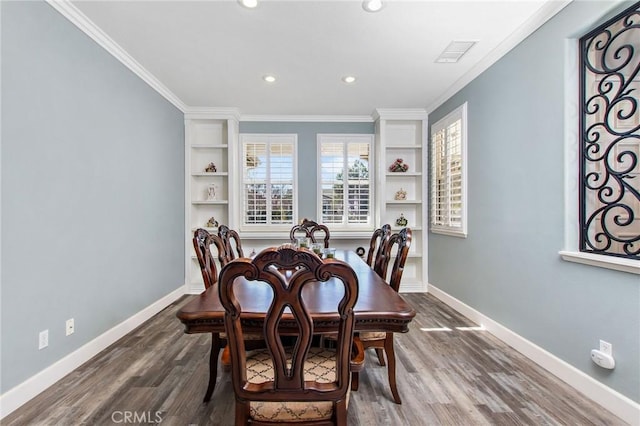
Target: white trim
x,y
546,12
211,113
22,393
610,262
80,20
412,287
618,404
458,114
310,118
447,231
346,139
571,146
267,139
400,114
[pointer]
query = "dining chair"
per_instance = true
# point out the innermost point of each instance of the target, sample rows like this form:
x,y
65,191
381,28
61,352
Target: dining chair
x,y
202,242
232,242
383,342
309,228
378,238
297,383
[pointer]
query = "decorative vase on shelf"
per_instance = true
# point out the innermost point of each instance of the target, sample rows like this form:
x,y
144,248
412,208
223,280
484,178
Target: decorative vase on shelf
x,y
211,168
402,221
212,223
398,166
401,194
212,192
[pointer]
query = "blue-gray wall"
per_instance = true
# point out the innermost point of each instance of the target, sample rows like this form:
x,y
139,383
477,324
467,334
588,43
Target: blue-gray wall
x,y
511,270
92,190
307,152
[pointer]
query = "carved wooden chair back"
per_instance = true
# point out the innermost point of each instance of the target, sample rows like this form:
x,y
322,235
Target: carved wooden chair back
x,y
396,247
202,241
309,228
378,239
279,375
232,243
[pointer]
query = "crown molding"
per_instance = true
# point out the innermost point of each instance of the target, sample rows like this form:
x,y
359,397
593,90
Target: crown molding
x,y
203,113
80,20
310,118
400,114
546,12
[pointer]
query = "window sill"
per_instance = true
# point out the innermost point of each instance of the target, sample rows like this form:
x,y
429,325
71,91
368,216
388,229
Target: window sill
x,y
609,262
448,232
337,235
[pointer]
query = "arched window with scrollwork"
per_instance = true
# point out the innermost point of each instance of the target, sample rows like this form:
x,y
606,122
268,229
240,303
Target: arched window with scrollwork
x,y
610,137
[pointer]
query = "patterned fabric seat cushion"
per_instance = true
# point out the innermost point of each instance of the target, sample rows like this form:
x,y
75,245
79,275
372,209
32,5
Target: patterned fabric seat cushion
x,y
372,335
319,366
246,336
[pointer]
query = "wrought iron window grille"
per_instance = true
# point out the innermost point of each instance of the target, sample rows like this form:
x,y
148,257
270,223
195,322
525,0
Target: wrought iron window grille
x,y
610,137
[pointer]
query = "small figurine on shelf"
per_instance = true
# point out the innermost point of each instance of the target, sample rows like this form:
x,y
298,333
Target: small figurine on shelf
x,y
401,195
402,221
211,168
211,192
212,223
398,166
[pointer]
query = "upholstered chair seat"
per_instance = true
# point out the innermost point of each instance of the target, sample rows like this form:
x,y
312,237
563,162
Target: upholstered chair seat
x,y
320,366
366,336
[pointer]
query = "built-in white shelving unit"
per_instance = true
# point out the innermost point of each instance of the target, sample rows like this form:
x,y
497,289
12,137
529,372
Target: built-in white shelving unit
x,y
401,134
208,136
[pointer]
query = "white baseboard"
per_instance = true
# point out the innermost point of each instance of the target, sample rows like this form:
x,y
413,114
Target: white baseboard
x,y
623,407
22,393
412,287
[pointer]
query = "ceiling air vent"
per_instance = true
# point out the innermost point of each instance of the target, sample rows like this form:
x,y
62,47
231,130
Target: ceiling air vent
x,y
454,51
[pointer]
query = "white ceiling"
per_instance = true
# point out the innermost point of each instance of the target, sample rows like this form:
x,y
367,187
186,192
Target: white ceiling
x,y
215,53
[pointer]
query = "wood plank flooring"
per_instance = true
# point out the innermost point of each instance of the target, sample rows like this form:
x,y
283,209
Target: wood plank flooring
x,y
446,376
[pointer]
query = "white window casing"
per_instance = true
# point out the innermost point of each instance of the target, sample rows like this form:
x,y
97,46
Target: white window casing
x,y
448,213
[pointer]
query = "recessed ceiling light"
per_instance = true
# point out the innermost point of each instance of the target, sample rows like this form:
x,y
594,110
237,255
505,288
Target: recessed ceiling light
x,y
349,79
250,4
372,5
269,78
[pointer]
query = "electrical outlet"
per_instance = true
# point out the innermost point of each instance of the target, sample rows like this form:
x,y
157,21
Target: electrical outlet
x,y
43,339
70,326
606,348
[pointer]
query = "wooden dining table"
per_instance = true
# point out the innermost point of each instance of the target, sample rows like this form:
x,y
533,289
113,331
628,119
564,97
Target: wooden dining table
x,y
379,307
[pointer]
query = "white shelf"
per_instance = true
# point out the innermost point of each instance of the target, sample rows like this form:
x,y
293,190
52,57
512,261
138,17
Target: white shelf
x,y
212,202
211,230
396,228
208,146
404,201
209,174
403,174
390,147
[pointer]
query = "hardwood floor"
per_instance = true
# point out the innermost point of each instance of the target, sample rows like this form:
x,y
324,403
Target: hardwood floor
x,y
446,376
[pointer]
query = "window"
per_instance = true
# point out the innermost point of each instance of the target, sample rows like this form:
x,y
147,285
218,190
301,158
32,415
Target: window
x,y
346,180
609,140
268,179
448,174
